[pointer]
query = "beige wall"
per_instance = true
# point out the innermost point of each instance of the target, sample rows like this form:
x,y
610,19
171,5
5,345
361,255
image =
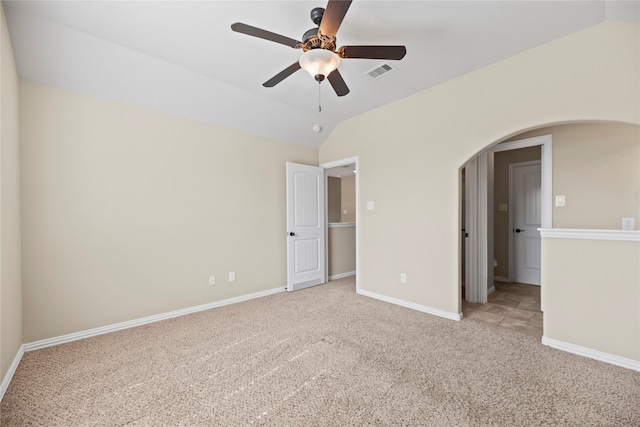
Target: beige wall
x,y
597,167
334,198
10,263
607,320
501,231
342,250
414,182
348,199
341,197
126,212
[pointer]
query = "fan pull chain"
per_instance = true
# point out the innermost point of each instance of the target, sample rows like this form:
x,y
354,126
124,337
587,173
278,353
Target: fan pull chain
x,y
319,104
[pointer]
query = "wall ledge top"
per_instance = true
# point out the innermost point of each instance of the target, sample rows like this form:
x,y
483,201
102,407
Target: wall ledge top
x,y
590,234
341,224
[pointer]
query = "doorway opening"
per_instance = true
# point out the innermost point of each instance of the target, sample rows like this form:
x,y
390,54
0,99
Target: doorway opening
x,y
308,226
493,249
342,201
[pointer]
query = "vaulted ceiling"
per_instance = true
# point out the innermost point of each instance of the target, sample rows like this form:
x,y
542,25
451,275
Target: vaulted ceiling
x,y
181,57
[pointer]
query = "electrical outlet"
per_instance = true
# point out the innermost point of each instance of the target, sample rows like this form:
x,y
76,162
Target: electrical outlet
x,y
232,276
628,223
403,278
212,280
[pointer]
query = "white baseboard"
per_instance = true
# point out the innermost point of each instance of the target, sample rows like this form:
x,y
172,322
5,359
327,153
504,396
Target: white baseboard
x,y
491,290
411,305
145,320
592,354
342,275
12,370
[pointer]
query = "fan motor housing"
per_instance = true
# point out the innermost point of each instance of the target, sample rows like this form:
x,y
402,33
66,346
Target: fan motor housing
x,y
313,40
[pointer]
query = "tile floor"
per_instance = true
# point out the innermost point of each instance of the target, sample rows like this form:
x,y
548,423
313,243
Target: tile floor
x,y
515,306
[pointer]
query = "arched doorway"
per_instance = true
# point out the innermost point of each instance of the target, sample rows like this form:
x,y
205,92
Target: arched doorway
x,y
573,148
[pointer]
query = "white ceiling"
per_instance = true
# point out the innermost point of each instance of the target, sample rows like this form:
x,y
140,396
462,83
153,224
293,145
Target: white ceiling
x,y
181,57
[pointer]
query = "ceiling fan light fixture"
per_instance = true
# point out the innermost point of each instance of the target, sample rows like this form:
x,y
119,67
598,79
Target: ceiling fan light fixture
x,y
319,62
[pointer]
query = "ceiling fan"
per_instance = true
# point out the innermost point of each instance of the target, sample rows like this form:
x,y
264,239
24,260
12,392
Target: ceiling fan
x,y
320,57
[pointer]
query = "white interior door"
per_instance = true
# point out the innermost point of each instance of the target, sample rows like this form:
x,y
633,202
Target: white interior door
x,y
527,218
477,198
470,231
305,226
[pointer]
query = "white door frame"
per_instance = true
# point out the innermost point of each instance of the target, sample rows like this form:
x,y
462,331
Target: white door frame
x,y
338,163
546,165
484,240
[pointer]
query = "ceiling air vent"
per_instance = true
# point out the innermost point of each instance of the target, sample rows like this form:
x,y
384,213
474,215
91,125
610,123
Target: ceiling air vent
x,y
381,70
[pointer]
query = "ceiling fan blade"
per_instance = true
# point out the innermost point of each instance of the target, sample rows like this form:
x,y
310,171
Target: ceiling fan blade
x,y
372,52
338,84
239,27
282,75
333,15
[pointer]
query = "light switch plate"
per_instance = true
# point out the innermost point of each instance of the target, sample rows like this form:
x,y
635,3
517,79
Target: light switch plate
x,y
503,207
560,201
371,206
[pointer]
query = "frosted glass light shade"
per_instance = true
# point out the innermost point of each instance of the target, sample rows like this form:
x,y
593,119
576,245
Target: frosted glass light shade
x,y
319,62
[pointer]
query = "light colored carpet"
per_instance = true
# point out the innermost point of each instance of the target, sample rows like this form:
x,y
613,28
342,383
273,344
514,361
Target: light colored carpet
x,y
323,356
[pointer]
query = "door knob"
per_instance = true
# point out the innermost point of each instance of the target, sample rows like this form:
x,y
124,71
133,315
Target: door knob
x,y
517,230
292,234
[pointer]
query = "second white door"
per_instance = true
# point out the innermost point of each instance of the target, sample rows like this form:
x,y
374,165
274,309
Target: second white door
x,y
527,218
